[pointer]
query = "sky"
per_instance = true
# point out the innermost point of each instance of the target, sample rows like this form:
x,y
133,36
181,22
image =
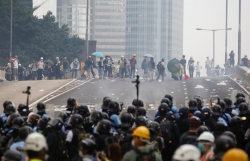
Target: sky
x,y
207,14
211,14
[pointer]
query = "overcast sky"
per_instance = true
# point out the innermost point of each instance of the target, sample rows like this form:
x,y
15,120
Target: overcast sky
x,y
211,14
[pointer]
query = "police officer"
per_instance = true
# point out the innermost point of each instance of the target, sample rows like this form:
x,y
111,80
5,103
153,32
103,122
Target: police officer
x,y
239,99
229,104
10,109
123,135
96,116
132,110
23,110
217,113
105,104
114,112
70,108
182,121
193,107
200,102
3,115
74,135
226,116
41,110
174,109
32,121
87,150
84,111
137,103
42,124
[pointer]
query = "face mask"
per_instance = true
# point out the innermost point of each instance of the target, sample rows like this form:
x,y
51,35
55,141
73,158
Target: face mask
x,y
201,147
133,143
80,154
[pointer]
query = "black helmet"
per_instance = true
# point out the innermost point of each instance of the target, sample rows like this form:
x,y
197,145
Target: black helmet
x,y
76,120
170,98
206,112
199,114
194,122
12,155
126,119
42,123
220,127
131,109
183,112
236,121
167,101
199,102
137,103
154,127
114,108
40,107
83,110
24,132
17,123
10,109
228,101
239,95
222,104
243,107
163,109
105,103
105,115
33,119
141,121
201,129
217,110
141,111
240,100
55,124
193,105
96,116
231,135
63,115
71,102
223,143
6,103
11,118
104,127
23,110
171,117
89,145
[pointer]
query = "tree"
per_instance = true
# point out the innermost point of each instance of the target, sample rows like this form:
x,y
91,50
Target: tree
x,y
34,38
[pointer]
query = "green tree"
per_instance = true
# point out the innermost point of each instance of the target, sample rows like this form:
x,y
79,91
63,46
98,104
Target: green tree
x,y
34,38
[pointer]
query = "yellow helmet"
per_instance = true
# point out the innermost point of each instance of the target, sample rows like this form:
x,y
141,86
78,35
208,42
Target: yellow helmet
x,y
191,57
142,132
134,54
235,154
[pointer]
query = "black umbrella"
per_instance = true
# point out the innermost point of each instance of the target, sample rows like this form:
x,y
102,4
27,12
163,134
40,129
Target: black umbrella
x,y
171,65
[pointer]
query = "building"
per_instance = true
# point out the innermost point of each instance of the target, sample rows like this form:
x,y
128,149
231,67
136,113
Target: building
x,y
42,7
108,26
73,13
154,27
26,3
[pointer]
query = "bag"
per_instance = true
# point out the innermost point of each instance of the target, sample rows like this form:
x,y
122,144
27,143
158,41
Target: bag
x,y
60,151
166,132
159,66
149,156
125,141
75,65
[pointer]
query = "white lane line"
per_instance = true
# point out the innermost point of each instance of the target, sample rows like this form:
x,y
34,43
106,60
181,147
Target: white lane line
x,y
239,85
32,104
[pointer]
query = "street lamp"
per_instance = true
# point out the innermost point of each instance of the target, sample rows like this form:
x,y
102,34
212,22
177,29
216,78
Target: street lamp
x,y
213,39
11,13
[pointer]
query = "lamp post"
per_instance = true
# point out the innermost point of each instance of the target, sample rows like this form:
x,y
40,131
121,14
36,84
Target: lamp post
x,y
226,31
87,29
239,35
214,30
11,13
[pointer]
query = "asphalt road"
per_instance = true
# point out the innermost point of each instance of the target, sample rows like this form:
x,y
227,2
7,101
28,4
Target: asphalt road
x,y
151,93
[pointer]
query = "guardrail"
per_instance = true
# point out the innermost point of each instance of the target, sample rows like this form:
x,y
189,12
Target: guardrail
x,y
243,73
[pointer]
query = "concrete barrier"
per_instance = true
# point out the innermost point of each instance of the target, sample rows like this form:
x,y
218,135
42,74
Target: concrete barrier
x,y
241,72
2,75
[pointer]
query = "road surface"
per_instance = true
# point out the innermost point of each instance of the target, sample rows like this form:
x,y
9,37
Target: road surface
x,y
150,93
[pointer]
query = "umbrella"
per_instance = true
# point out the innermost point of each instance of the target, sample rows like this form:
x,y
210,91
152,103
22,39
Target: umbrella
x,y
98,54
49,62
149,55
171,65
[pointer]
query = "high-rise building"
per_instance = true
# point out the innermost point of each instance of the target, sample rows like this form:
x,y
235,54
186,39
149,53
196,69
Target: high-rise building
x,y
108,20
42,7
73,13
154,27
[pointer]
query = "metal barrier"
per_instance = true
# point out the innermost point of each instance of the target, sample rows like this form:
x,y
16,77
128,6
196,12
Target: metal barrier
x,y
2,74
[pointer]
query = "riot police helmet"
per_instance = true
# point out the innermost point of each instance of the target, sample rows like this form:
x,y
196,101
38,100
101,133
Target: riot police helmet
x,y
33,119
10,119
10,109
76,121
222,104
217,110
126,119
240,100
42,123
89,145
231,135
55,124
104,127
141,121
193,105
131,109
96,116
71,102
199,102
6,103
236,121
223,143
228,101
41,107
141,111
105,103
114,108
63,115
239,95
83,110
17,123
154,127
105,115
167,101
12,155
23,110
243,107
170,98
138,103
220,127
24,132
183,112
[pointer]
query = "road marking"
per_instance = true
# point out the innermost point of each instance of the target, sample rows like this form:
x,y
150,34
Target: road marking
x,y
221,84
199,86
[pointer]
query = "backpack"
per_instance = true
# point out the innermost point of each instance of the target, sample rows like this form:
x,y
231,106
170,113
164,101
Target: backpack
x,y
191,139
224,116
143,156
166,132
75,64
160,66
125,141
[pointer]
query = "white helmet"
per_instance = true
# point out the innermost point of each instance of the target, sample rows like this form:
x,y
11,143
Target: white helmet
x,y
206,136
187,153
122,56
35,142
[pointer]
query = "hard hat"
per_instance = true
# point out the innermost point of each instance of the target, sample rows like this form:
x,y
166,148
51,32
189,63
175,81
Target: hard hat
x,y
206,136
187,152
57,57
35,142
134,54
235,154
142,132
41,58
122,56
12,155
90,56
191,57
